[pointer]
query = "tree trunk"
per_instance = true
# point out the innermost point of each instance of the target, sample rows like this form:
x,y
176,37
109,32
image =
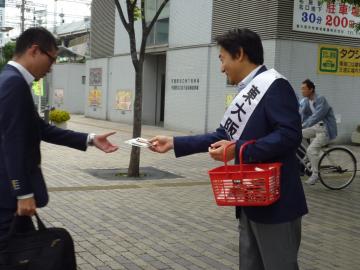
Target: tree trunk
x,y
138,63
134,166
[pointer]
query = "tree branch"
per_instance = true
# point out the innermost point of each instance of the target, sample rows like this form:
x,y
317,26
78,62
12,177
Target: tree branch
x,y
132,36
148,29
144,34
133,5
143,19
122,17
130,11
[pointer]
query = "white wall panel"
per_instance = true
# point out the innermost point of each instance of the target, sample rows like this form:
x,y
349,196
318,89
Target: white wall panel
x,y
190,22
69,78
99,112
185,109
122,77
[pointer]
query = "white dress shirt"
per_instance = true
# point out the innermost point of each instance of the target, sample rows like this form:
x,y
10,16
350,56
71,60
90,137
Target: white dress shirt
x,y
241,85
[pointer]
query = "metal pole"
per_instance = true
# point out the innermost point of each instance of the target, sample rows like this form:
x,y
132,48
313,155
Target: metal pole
x,y
23,2
47,114
34,18
39,104
55,10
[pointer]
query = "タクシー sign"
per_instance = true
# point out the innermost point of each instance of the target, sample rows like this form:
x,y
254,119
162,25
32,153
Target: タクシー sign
x,y
339,60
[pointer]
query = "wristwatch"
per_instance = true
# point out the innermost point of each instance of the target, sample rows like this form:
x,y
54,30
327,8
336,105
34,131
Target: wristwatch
x,y
91,138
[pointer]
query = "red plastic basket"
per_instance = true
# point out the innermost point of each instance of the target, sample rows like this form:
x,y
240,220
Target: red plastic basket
x,y
246,184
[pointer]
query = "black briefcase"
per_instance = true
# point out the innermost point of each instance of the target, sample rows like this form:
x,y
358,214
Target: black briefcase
x,y
41,249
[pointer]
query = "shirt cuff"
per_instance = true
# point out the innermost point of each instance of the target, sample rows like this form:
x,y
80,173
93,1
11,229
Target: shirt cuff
x,y
27,196
90,139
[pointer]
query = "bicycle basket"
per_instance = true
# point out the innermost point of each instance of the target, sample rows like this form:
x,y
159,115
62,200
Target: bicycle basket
x,y
245,184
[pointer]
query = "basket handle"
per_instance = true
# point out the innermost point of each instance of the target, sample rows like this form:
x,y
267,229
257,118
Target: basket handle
x,y
225,150
242,149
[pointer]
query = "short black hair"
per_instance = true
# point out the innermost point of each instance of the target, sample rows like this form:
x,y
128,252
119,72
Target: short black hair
x,y
36,35
249,41
309,84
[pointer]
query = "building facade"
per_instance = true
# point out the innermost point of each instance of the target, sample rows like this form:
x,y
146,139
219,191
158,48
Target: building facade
x,y
183,86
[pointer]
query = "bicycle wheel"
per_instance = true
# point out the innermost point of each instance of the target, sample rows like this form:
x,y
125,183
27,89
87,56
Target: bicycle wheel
x,y
337,168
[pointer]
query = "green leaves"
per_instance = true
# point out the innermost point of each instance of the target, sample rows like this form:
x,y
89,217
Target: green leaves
x,y
137,13
59,116
7,53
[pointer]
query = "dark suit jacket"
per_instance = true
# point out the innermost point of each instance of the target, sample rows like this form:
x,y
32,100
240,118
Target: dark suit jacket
x,y
21,131
276,125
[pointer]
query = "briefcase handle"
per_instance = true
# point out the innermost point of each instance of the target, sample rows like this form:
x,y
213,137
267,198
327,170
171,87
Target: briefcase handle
x,y
41,225
39,222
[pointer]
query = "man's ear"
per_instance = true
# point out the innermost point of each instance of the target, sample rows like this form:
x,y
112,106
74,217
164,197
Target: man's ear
x,y
240,55
32,50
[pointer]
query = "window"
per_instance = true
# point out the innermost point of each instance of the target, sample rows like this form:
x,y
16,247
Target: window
x,y
160,32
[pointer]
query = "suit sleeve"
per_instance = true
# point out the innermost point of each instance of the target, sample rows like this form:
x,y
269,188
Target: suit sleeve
x,y
282,113
13,132
69,138
187,145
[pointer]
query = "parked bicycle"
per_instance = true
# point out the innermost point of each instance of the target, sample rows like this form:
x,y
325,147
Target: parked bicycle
x,y
337,166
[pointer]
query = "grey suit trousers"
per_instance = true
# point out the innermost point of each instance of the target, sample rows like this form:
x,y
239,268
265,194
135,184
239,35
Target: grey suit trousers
x,y
268,246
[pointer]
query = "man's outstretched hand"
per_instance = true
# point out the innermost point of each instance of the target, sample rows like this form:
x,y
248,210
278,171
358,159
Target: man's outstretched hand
x,y
102,143
161,144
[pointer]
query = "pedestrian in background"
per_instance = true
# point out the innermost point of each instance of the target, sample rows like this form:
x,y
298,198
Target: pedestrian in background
x,y
318,123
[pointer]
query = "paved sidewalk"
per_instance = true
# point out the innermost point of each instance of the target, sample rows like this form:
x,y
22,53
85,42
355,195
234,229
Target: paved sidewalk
x,y
175,223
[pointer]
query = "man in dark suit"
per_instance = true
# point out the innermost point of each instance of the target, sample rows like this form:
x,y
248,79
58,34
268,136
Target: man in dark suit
x,y
22,187
269,235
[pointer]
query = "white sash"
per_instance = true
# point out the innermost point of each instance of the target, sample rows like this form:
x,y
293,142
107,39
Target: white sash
x,y
244,104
